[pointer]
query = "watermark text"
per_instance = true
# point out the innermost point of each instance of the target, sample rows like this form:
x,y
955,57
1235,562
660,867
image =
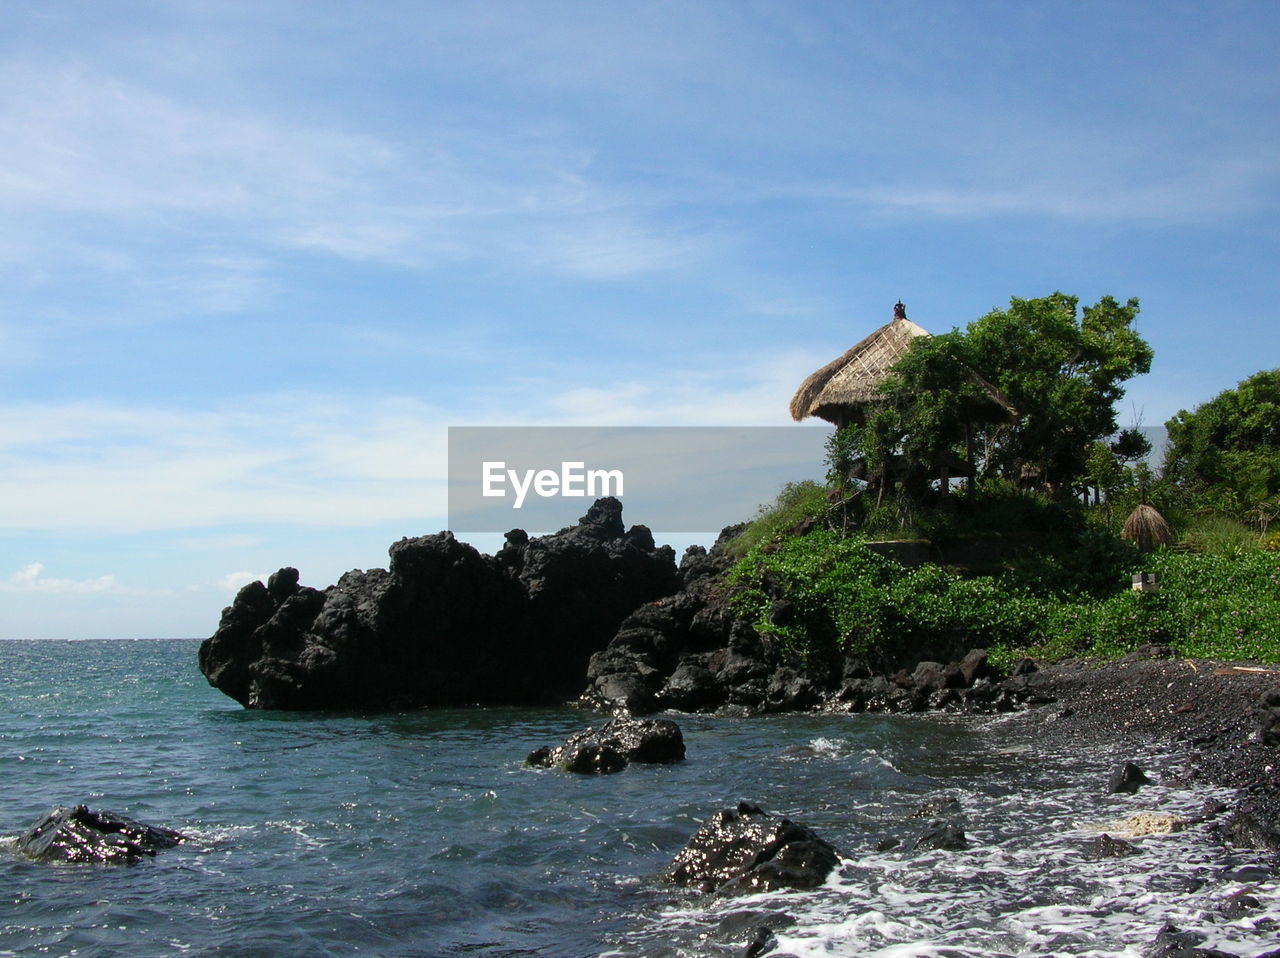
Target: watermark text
x,y
572,479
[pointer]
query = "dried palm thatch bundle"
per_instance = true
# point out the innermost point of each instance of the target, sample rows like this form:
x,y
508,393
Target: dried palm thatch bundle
x,y
1147,528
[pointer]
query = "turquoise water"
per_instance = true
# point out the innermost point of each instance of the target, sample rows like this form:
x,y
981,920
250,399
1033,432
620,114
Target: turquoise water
x,y
422,833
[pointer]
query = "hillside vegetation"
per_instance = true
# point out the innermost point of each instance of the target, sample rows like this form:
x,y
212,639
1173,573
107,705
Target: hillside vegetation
x,y
1050,488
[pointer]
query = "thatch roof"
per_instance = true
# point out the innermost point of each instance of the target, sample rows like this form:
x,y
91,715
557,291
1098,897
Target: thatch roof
x,y
855,378
838,391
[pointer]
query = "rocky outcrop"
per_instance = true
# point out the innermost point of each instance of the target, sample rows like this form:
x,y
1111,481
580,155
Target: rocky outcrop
x,y
81,834
1269,718
613,746
689,652
745,850
1104,846
444,624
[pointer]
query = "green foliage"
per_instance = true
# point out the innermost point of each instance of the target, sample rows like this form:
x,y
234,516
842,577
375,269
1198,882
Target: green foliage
x,y
1061,369
843,446
795,502
1130,445
1219,535
999,508
1226,453
1215,607
1078,603
850,599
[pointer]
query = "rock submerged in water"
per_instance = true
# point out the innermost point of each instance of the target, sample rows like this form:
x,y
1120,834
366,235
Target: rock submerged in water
x,y
444,624
1104,846
80,834
1127,779
745,850
613,746
1255,822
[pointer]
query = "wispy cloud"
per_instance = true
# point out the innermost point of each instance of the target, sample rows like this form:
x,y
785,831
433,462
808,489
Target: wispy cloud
x,y
31,578
117,164
90,465
1208,190
320,460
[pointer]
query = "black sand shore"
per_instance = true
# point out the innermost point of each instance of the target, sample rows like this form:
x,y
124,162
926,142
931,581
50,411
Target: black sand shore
x,y
1211,712
1216,723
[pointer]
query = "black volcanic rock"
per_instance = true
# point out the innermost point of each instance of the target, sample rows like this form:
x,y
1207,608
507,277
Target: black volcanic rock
x,y
444,624
81,834
1127,779
1255,822
745,849
1104,846
611,747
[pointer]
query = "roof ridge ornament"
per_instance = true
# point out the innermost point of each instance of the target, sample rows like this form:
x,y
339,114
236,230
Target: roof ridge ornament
x,y
899,310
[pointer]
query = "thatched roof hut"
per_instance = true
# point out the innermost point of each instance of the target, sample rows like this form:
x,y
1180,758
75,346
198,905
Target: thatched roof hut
x,y
839,390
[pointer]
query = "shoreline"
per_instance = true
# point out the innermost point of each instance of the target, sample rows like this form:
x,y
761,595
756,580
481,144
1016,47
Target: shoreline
x,y
1208,712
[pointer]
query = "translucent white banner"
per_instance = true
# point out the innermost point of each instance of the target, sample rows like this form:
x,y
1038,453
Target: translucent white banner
x,y
677,479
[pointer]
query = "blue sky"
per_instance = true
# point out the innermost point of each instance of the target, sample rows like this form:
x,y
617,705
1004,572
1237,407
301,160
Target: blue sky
x,y
257,257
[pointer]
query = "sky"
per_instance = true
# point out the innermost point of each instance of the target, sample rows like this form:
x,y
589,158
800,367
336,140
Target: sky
x,y
258,257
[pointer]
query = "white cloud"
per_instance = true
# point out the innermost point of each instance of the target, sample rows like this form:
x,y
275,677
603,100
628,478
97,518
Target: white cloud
x,y
233,582
114,163
1106,193
313,460
31,578
90,465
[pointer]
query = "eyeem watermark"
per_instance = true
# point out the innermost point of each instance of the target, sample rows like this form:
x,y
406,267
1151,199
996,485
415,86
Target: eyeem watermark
x,y
676,479
573,480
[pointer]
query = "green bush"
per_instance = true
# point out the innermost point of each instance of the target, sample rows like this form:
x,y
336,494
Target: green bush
x,y
1077,603
1216,534
795,502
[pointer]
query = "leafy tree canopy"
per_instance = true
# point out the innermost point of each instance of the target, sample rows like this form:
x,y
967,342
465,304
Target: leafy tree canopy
x,y
1061,368
1226,452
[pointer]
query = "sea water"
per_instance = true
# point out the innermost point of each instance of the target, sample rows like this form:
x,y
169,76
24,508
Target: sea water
x,y
423,833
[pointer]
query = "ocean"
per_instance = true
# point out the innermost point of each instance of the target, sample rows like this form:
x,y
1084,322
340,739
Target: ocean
x,y
423,833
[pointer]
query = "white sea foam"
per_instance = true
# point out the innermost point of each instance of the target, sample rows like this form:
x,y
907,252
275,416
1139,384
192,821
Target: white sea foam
x,y
1024,887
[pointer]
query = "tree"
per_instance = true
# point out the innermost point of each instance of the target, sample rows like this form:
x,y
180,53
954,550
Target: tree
x,y
1063,372
1226,452
1130,445
1060,369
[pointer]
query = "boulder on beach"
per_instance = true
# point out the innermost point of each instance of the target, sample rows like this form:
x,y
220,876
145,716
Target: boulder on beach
x,y
1255,822
613,746
444,624
81,834
1104,846
1127,779
745,849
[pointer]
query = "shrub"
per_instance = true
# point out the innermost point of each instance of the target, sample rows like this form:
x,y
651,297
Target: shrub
x,y
1216,534
795,502
1078,603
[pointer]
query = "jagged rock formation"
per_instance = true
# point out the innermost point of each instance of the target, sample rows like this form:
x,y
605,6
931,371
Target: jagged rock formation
x,y
444,624
689,652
